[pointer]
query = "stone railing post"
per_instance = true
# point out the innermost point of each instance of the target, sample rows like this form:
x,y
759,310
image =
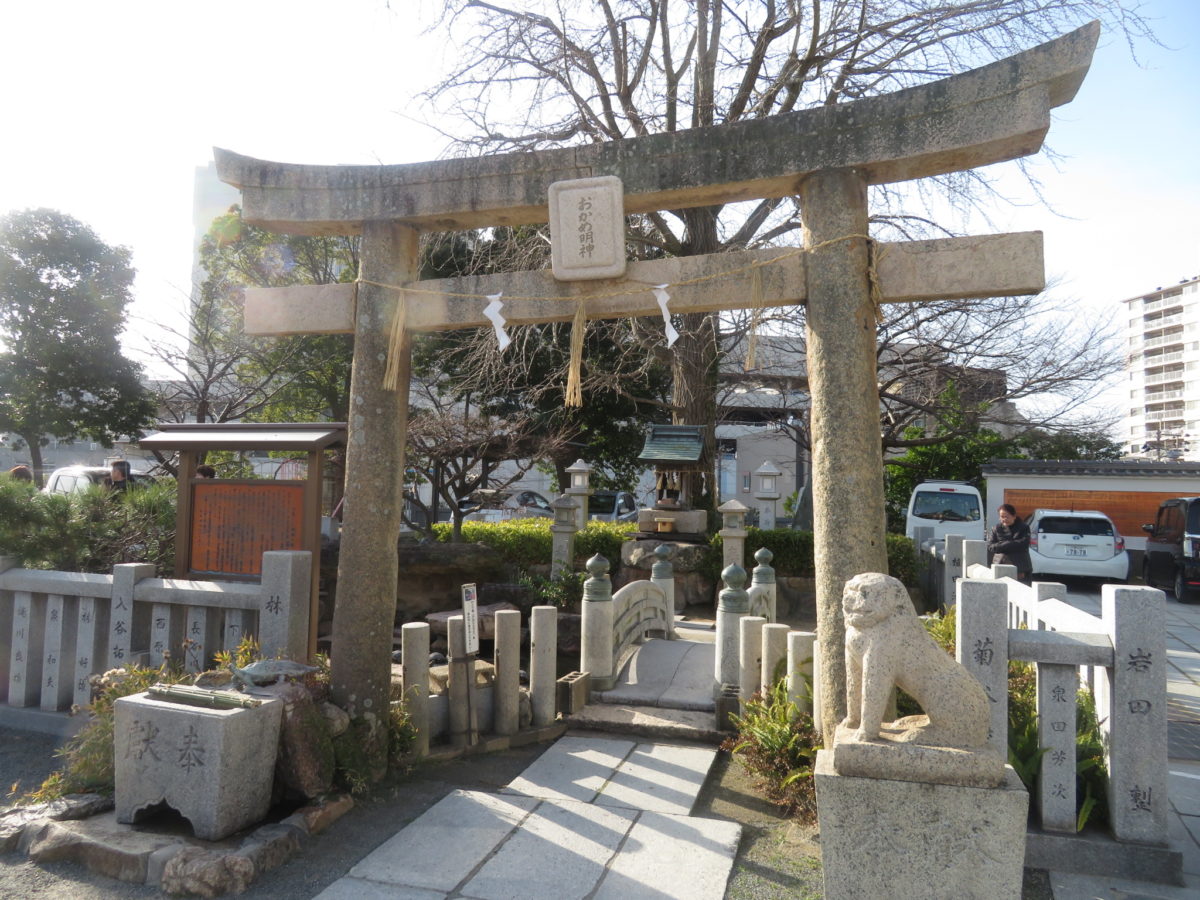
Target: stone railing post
x,y
414,675
284,604
732,604
750,644
662,573
506,687
981,645
801,647
954,568
543,656
774,652
562,535
733,534
974,553
596,652
1133,710
120,618
762,581
6,629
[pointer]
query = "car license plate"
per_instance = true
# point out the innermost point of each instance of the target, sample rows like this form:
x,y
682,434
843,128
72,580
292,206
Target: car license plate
x,y
1077,551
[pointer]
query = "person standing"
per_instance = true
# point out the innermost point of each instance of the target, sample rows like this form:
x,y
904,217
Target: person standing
x,y
118,477
1008,543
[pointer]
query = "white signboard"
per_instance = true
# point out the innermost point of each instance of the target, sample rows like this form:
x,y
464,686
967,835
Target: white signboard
x,y
587,228
470,607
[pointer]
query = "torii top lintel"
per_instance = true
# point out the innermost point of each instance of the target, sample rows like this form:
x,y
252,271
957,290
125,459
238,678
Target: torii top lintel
x,y
995,113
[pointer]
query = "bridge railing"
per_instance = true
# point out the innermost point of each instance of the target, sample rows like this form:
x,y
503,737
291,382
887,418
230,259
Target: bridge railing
x,y
59,628
613,623
1123,651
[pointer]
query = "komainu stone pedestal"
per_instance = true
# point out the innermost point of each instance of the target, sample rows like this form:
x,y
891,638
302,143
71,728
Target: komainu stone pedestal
x,y
883,838
212,766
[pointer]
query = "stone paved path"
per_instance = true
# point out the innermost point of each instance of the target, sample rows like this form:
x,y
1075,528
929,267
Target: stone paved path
x,y
591,817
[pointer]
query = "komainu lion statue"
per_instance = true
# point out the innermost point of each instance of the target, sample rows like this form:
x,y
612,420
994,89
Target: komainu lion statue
x,y
887,645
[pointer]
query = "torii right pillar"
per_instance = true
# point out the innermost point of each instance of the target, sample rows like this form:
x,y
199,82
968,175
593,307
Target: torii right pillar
x,y
847,457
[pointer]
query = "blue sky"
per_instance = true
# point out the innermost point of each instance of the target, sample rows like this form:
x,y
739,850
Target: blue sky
x,y
110,107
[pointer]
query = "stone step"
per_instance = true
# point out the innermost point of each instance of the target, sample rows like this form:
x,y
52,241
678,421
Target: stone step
x,y
649,721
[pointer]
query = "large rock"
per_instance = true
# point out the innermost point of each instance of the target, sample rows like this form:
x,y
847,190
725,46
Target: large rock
x,y
691,588
431,575
306,762
195,870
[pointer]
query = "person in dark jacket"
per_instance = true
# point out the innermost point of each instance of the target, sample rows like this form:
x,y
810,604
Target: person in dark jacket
x,y
1009,542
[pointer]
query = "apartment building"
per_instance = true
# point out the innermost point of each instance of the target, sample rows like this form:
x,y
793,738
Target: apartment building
x,y
1163,367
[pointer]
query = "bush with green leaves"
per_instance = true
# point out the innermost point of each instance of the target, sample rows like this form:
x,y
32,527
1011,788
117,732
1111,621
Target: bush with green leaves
x,y
777,742
89,531
89,765
793,554
527,543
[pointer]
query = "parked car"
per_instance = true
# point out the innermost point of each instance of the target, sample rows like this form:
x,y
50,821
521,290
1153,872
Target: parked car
x,y
74,479
1076,542
497,506
948,507
1173,548
613,506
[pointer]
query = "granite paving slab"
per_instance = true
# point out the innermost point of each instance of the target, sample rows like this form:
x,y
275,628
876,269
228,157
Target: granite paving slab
x,y
575,768
669,856
361,889
448,842
663,778
559,852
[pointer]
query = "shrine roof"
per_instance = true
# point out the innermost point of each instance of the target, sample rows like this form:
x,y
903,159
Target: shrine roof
x,y
672,443
246,436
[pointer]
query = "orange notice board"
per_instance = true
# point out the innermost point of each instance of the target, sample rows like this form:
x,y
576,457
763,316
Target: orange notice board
x,y
1129,510
234,523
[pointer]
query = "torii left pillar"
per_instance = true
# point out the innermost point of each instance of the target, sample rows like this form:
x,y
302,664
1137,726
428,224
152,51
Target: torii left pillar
x,y
846,451
374,483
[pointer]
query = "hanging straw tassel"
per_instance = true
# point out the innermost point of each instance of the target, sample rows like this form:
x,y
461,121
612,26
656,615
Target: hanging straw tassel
x,y
574,373
391,375
756,305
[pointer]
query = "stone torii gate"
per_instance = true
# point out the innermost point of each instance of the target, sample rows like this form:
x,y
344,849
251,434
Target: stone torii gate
x,y
826,156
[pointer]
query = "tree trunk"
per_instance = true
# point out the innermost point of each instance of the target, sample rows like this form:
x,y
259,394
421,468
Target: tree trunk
x,y
35,459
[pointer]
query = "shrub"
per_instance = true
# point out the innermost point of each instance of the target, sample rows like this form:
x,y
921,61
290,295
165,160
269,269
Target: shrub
x,y
527,543
89,531
89,762
777,743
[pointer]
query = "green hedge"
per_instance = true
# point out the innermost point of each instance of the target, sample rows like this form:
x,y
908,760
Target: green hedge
x,y
526,543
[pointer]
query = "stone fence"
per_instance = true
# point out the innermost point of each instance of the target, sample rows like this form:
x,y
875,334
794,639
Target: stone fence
x,y
1121,654
57,628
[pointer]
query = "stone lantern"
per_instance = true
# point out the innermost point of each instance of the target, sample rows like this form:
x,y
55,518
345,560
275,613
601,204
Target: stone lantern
x,y
562,532
766,492
579,490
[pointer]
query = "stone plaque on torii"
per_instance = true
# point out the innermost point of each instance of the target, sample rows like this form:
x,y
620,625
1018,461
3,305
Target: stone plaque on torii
x,y
826,156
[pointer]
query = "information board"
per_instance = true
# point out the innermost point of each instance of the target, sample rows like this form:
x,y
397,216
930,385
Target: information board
x,y
234,523
470,607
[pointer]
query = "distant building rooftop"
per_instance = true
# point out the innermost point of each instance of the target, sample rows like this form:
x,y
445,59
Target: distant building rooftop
x,y
1137,467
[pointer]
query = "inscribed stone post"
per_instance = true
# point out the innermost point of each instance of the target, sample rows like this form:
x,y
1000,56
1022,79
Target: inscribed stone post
x,y
284,603
1056,688
981,646
91,634
848,509
25,675
120,620
1137,713
414,651
58,671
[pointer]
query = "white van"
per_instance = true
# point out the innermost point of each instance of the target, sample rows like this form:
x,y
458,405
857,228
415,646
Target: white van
x,y
948,507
